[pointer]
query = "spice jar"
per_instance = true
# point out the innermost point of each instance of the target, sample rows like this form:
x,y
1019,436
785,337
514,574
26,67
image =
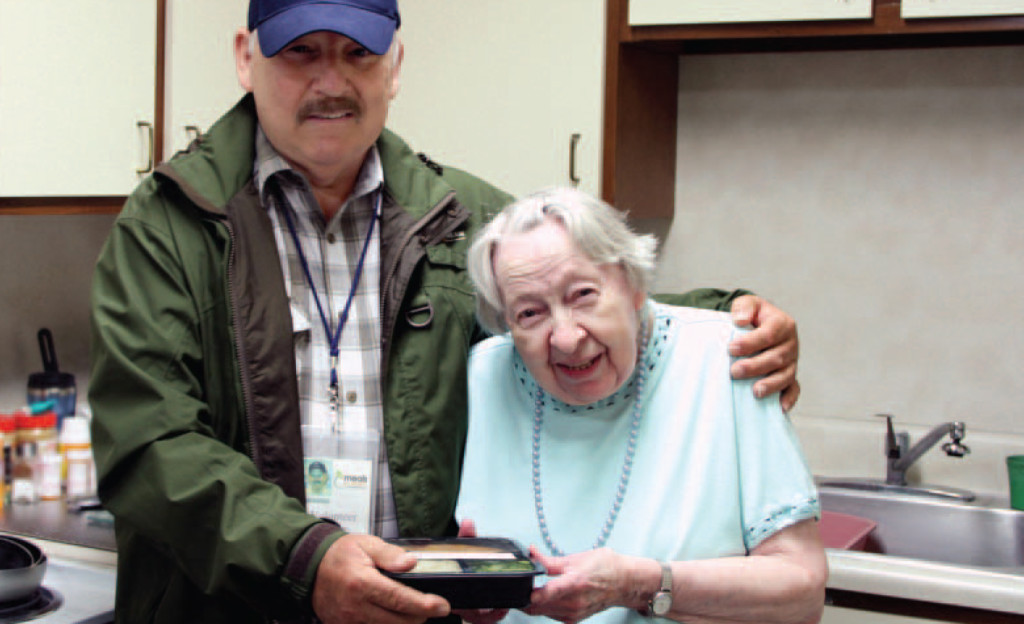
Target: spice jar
x,y
7,437
36,472
76,446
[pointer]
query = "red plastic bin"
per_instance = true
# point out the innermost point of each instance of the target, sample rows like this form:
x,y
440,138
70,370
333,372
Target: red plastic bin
x,y
843,531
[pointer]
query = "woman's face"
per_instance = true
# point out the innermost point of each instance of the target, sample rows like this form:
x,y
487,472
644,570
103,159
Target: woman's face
x,y
574,322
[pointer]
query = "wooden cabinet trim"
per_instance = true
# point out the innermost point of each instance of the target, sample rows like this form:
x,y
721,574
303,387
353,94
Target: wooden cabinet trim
x,y
61,205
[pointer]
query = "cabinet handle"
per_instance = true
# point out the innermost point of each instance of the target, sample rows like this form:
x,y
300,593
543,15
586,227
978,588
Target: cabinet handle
x,y
574,141
149,160
193,133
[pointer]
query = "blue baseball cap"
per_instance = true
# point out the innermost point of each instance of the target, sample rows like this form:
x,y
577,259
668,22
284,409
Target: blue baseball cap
x,y
371,23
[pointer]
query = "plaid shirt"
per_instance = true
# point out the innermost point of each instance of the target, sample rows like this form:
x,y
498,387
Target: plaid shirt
x,y
331,266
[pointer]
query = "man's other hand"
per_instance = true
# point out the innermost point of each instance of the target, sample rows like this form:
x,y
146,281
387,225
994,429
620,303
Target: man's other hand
x,y
771,349
350,588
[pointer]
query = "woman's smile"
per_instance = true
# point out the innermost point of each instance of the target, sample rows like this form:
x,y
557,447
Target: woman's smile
x,y
580,369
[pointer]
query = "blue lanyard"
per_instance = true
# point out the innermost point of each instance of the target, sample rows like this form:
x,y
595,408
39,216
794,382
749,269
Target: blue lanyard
x,y
334,336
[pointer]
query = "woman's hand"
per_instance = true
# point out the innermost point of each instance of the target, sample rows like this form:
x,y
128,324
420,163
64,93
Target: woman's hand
x,y
579,586
467,528
772,348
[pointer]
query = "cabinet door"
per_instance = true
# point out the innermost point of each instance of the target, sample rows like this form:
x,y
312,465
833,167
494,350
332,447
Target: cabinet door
x,y
960,8
651,12
76,79
500,88
201,81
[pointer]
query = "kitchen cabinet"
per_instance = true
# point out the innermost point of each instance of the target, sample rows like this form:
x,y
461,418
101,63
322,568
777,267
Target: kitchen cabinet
x,y
501,88
648,12
201,83
839,615
107,89
960,8
76,96
638,152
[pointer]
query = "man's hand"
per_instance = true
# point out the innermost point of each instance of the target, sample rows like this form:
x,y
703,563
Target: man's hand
x,y
350,588
773,348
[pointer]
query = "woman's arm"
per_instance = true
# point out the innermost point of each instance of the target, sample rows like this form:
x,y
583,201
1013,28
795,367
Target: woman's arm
x,y
782,581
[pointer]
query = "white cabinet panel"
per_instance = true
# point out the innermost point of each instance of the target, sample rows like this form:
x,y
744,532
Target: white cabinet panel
x,y
200,75
76,76
499,88
652,12
842,615
960,8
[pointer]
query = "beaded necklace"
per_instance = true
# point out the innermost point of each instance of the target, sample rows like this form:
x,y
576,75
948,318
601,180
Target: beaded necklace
x,y
627,464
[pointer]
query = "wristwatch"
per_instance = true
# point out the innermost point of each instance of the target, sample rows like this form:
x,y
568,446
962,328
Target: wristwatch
x,y
661,602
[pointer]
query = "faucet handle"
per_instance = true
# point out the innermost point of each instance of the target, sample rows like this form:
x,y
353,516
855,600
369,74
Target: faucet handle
x,y
955,447
892,447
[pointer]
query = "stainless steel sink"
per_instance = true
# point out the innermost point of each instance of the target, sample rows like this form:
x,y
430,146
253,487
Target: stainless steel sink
x,y
978,533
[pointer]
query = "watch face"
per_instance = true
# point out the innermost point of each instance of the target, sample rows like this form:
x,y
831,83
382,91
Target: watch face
x,y
661,603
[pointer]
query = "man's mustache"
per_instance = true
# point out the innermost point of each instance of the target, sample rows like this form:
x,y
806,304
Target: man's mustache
x,y
330,106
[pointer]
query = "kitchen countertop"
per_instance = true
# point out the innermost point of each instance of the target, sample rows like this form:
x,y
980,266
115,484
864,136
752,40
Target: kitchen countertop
x,y
991,589
52,521
88,537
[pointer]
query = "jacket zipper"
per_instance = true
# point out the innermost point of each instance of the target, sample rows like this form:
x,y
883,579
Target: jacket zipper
x,y
243,369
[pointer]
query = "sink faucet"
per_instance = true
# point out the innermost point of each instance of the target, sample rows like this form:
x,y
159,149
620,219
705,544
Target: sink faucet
x,y
899,459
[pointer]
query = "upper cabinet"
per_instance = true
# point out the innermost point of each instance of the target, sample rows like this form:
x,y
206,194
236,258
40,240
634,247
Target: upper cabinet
x,y
652,12
646,37
510,91
79,93
76,96
960,8
201,83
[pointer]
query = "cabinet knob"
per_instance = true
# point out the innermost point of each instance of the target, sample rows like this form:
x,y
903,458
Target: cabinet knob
x,y
193,133
574,141
149,135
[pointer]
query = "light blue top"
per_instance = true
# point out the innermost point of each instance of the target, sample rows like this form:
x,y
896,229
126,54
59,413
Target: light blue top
x,y
716,471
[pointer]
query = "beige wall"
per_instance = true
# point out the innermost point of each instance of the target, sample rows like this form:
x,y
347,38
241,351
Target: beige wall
x,y
877,196
47,268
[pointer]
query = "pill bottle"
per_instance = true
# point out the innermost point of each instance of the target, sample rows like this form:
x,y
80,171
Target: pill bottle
x,y
7,438
37,467
76,446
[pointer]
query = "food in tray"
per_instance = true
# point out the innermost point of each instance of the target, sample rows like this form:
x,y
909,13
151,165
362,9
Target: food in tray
x,y
436,566
448,549
456,546
496,565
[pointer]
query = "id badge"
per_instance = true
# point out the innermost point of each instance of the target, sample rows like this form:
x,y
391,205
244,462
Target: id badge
x,y
340,475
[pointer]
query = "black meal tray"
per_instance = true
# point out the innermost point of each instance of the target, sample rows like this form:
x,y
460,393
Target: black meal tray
x,y
471,572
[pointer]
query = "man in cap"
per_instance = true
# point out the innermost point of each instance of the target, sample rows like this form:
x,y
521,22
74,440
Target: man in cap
x,y
300,271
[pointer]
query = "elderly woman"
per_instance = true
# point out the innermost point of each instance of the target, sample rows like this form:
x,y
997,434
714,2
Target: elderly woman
x,y
606,431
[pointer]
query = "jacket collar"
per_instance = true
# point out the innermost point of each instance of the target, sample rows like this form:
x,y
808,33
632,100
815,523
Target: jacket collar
x,y
215,167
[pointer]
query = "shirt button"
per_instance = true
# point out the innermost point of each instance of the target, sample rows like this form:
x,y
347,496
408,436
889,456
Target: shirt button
x,y
351,396
331,238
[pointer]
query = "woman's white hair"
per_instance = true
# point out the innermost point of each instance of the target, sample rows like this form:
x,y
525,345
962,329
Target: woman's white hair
x,y
597,229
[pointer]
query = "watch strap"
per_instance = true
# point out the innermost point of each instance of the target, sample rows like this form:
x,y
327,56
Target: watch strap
x,y
666,577
664,591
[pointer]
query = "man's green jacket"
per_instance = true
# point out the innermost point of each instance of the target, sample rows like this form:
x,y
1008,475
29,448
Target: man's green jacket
x,y
196,426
